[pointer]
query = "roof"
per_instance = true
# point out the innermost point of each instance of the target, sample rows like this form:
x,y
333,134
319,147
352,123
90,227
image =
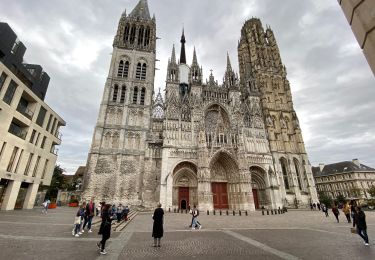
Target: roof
x,y
141,10
340,167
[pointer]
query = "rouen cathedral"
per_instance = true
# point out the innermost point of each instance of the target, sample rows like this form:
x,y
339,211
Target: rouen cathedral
x,y
231,145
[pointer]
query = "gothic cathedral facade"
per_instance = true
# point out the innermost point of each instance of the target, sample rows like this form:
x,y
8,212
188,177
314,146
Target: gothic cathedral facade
x,y
235,145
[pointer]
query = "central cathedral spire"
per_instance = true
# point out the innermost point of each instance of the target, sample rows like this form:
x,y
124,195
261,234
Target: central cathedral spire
x,y
141,11
182,54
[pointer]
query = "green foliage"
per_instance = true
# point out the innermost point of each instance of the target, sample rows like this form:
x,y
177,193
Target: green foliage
x,y
325,199
57,182
340,198
371,191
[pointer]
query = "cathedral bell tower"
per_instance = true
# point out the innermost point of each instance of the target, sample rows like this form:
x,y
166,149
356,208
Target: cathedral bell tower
x,y
115,164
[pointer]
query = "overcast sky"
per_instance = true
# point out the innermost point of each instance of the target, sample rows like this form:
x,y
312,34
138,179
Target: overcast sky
x,y
333,87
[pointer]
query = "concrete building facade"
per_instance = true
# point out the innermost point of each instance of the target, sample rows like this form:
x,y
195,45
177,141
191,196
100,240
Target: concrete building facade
x,y
361,17
233,145
29,129
349,178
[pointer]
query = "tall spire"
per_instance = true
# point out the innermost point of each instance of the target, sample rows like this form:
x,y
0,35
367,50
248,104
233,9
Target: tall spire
x,y
182,54
195,61
141,10
173,57
229,67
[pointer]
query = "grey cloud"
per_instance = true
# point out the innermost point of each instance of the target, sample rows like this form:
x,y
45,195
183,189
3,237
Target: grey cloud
x,y
332,85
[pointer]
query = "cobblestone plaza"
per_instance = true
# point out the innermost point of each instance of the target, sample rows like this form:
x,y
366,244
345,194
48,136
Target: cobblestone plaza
x,y
293,235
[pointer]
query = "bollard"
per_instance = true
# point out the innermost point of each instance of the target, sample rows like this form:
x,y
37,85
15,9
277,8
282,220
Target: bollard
x,y
246,212
174,210
239,212
220,212
276,212
268,212
214,212
262,212
234,213
227,212
169,209
271,212
208,212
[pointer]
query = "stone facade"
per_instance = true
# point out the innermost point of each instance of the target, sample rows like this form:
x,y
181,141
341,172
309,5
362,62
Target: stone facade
x,y
235,145
349,178
361,17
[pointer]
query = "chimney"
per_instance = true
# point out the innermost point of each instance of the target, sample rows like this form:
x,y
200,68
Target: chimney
x,y
321,166
356,162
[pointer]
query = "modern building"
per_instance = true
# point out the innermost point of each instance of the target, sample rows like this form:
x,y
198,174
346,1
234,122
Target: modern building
x,y
29,128
349,178
361,17
233,145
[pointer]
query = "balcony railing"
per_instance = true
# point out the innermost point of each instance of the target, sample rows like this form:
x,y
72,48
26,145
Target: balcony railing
x,y
18,131
58,135
25,111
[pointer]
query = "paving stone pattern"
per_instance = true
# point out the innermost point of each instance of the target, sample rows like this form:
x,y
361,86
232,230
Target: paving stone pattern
x,y
28,234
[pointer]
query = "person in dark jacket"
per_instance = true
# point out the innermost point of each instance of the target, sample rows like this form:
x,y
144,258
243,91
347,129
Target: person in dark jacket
x,y
360,221
105,228
336,212
157,229
89,214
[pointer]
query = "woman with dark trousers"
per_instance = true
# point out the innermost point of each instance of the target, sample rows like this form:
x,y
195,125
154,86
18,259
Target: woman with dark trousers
x,y
105,228
157,229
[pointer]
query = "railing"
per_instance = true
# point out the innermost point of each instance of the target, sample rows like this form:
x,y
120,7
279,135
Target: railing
x,y
17,131
221,140
58,135
25,111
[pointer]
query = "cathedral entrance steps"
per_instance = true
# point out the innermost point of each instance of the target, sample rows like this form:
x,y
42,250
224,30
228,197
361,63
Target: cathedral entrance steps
x,y
117,227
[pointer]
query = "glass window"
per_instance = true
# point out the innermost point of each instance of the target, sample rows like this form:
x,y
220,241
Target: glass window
x,y
44,169
36,166
41,116
12,158
3,77
8,97
26,172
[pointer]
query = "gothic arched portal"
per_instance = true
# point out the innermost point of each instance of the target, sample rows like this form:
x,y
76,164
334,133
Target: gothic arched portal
x,y
185,184
258,184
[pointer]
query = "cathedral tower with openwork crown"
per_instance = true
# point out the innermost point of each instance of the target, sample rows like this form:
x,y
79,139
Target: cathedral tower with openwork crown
x,y
115,164
231,145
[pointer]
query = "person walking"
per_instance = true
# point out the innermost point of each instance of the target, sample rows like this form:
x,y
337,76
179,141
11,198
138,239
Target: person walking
x,y
89,214
325,209
346,210
352,210
45,206
105,228
336,212
77,221
157,228
119,212
125,213
360,221
195,223
318,205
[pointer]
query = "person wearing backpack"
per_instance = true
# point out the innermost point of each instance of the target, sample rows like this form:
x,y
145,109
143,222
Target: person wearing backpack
x,y
195,223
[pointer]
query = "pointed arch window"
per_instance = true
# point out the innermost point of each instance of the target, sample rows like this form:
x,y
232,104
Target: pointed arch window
x,y
147,37
135,95
126,32
132,34
123,69
115,93
141,71
123,92
143,93
285,174
141,32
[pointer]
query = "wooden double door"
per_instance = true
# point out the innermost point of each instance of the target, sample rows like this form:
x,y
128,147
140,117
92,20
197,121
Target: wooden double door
x,y
256,198
183,197
220,195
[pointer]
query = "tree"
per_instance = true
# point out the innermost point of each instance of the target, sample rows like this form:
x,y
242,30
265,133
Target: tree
x,y
355,192
325,199
57,182
371,191
340,199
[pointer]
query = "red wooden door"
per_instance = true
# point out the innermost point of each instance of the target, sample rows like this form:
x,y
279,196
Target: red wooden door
x,y
183,194
220,195
256,200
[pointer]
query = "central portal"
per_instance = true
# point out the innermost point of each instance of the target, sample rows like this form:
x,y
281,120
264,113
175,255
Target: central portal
x,y
183,197
220,195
